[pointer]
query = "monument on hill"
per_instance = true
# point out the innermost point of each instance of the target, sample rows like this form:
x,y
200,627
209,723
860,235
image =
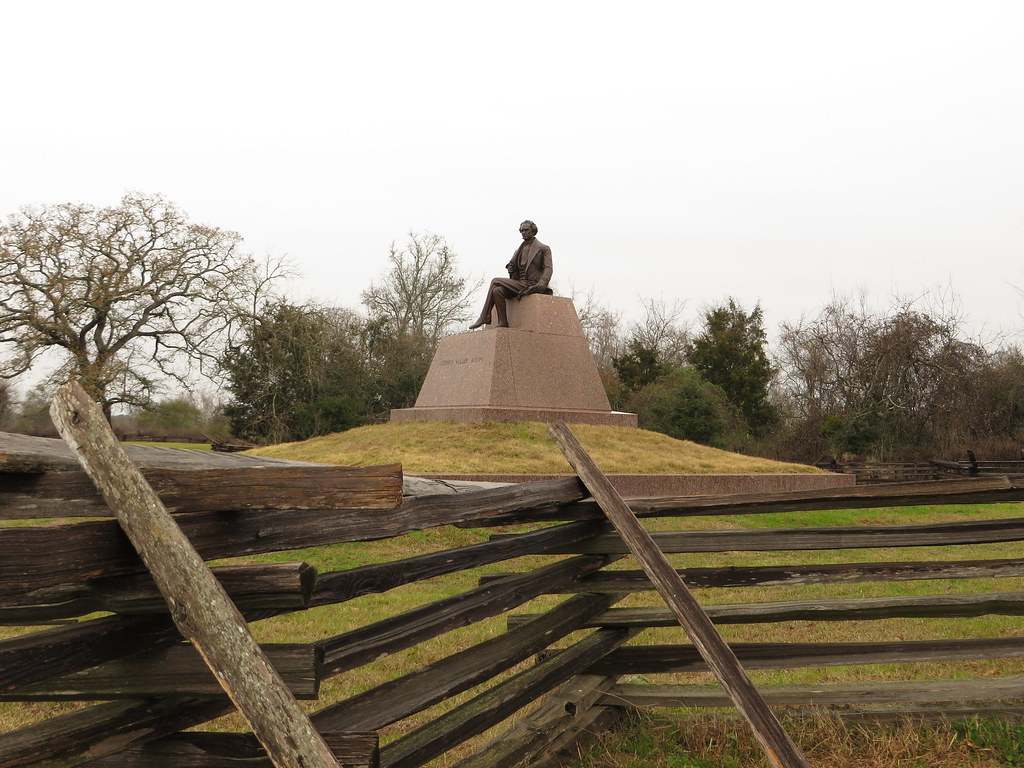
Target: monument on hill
x,y
539,368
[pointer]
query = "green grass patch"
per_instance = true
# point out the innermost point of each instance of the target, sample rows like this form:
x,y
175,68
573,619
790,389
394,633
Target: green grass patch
x,y
948,513
1003,740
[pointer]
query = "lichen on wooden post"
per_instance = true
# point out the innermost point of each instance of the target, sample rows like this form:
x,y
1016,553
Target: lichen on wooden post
x,y
198,604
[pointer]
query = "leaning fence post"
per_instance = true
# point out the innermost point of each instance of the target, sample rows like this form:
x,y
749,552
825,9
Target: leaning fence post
x,y
772,737
198,604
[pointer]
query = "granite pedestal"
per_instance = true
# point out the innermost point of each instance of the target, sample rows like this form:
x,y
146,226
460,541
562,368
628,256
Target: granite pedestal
x,y
538,369
646,486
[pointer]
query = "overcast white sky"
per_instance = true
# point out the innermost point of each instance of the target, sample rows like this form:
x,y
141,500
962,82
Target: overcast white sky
x,y
776,152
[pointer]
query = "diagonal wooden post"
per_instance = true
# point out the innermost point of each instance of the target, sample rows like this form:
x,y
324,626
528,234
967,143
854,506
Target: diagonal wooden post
x,y
720,658
199,606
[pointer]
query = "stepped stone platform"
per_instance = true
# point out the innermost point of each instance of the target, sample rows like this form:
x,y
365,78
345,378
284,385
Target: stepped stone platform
x,y
538,369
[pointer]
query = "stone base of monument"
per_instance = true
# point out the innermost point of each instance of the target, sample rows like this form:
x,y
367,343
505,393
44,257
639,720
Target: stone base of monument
x,y
647,486
481,414
538,369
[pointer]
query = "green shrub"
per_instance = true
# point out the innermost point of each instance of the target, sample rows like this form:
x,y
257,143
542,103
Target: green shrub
x,y
683,405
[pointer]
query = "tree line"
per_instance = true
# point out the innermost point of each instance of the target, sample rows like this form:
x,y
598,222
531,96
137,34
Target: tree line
x,y
135,299
905,382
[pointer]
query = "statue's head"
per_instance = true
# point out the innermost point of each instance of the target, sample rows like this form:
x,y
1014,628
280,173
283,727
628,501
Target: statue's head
x,y
528,229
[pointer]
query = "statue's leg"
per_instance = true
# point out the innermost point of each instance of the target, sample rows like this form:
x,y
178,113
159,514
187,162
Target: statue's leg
x,y
498,298
485,313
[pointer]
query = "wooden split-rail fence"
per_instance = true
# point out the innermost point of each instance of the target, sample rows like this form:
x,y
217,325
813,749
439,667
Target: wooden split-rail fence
x,y
86,623
910,471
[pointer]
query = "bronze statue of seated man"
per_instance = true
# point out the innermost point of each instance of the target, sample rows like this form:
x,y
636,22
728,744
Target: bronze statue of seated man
x,y
528,272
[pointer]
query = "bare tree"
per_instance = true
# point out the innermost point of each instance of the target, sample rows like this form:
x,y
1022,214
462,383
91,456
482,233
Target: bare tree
x,y
126,295
422,293
819,357
663,331
882,382
6,404
602,327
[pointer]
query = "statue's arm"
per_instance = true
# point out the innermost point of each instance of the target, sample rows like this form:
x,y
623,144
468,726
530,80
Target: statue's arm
x,y
545,277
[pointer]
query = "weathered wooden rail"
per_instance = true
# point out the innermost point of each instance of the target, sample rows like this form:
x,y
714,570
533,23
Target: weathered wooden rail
x,y
141,687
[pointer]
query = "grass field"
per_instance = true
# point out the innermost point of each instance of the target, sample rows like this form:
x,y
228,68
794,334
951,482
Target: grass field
x,y
693,739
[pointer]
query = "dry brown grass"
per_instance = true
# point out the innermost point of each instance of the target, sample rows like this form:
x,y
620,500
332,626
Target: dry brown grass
x,y
523,447
706,740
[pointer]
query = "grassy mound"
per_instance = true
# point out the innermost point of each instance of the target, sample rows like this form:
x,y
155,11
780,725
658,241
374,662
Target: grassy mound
x,y
523,447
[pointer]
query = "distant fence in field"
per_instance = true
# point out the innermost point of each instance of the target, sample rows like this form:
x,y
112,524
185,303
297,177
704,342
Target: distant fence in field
x,y
155,687
911,471
131,436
